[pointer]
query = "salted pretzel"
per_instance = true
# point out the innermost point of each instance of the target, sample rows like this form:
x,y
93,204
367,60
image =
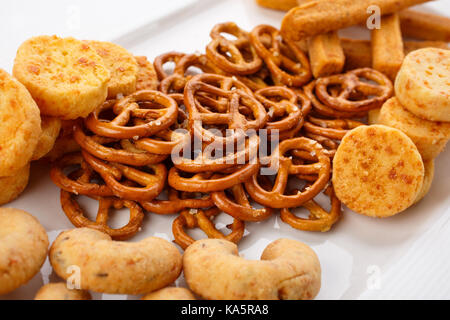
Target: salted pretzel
x,y
165,141
203,182
237,56
126,153
203,219
287,63
334,129
330,146
237,95
276,197
284,113
158,110
217,157
77,216
85,182
328,111
177,201
176,82
145,186
239,205
319,219
355,84
164,58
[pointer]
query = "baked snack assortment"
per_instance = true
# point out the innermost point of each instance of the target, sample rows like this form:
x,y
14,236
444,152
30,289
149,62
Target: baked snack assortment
x,y
264,122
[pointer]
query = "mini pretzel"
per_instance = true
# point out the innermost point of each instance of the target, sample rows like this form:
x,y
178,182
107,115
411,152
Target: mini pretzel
x,y
236,94
202,219
114,173
164,58
240,208
333,129
325,110
78,218
82,183
319,219
330,146
233,56
164,141
287,63
158,110
276,197
202,182
177,202
176,82
281,103
206,161
350,83
126,154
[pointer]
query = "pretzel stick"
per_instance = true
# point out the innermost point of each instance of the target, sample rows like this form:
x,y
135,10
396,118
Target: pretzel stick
x,y
387,46
326,54
358,52
424,26
318,17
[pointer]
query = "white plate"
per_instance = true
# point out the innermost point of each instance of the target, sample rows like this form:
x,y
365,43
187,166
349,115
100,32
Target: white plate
x,y
405,256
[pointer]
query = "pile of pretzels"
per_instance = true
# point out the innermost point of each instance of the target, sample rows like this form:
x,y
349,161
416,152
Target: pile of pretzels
x,y
251,91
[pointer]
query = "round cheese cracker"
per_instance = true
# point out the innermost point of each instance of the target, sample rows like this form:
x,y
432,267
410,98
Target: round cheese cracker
x,y
429,137
147,79
12,187
423,84
122,66
50,131
66,77
427,180
20,125
377,171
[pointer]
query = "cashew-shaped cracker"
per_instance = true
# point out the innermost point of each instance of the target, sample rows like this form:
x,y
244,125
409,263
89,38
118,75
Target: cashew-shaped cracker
x,y
288,269
115,267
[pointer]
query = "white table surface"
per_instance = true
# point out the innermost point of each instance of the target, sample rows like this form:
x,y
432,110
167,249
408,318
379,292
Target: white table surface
x,y
403,257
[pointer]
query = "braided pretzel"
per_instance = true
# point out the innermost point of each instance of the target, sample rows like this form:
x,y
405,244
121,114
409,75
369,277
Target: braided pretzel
x,y
276,197
158,110
78,218
233,56
128,155
286,61
259,80
334,129
176,82
82,184
240,208
177,202
164,58
202,219
325,110
202,182
232,119
112,173
371,96
319,219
